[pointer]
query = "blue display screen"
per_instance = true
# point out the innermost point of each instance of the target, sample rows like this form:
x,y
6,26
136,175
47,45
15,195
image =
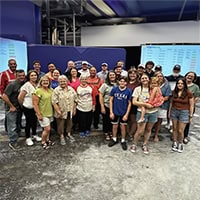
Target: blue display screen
x,y
13,49
188,56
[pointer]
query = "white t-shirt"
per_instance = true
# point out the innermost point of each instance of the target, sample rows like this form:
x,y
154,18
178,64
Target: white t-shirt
x,y
29,89
142,95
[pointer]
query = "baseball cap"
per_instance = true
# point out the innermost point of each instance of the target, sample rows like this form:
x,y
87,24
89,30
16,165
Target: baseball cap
x,y
84,63
177,67
158,68
104,64
141,66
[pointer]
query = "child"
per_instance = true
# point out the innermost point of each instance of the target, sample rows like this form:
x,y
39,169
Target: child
x,y
156,99
85,106
120,105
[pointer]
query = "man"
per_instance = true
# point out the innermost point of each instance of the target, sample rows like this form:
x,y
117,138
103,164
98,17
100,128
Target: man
x,y
37,68
70,65
140,69
123,72
51,68
84,69
8,75
158,68
104,71
13,109
95,83
149,69
174,76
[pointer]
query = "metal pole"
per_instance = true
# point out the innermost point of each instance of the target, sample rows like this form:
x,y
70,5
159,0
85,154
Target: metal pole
x,y
48,22
74,28
65,32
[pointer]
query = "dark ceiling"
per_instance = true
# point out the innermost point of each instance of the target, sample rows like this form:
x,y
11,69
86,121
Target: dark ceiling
x,y
106,12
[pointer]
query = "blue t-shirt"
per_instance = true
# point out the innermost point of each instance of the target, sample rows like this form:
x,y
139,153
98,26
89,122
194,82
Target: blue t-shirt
x,y
120,100
54,84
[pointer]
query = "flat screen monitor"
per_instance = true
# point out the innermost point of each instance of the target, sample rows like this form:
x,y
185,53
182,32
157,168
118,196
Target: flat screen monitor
x,y
13,49
188,56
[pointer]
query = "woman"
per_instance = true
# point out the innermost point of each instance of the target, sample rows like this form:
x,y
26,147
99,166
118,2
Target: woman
x,y
64,102
25,99
140,96
85,106
180,111
162,110
74,81
133,82
43,108
104,96
194,88
54,81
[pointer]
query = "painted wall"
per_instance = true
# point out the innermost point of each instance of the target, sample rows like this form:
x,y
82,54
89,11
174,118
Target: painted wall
x,y
137,34
20,20
59,55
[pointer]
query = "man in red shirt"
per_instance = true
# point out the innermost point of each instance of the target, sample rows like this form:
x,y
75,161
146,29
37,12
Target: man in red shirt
x,y
8,75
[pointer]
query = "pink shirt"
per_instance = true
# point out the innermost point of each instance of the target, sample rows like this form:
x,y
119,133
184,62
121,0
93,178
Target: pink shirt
x,y
74,84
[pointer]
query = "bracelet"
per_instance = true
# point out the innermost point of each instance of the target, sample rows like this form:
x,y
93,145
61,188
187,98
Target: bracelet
x,y
190,116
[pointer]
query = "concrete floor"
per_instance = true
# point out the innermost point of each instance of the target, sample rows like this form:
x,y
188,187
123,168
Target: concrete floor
x,y
89,170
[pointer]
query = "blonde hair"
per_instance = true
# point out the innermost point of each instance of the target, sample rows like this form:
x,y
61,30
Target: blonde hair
x,y
42,78
155,79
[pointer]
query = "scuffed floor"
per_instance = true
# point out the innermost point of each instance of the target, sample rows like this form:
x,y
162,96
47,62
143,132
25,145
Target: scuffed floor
x,y
89,170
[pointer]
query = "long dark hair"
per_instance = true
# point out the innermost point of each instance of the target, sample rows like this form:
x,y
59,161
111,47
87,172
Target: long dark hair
x,y
70,75
185,89
107,80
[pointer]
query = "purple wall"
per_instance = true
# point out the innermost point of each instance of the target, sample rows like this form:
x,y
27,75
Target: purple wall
x,y
20,20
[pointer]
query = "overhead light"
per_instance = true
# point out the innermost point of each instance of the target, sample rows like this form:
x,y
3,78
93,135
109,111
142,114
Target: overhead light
x,y
92,10
101,5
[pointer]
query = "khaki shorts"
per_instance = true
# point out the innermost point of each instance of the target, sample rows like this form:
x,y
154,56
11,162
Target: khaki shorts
x,y
45,122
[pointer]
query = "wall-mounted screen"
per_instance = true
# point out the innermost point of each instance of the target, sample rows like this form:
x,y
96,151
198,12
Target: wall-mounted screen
x,y
13,49
188,56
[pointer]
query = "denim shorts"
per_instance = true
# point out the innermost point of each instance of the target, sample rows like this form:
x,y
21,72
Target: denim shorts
x,y
180,115
149,117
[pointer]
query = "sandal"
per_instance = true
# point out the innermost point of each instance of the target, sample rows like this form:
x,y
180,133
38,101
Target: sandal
x,y
45,146
50,143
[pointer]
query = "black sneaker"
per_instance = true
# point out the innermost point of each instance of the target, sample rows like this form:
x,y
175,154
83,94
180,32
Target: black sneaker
x,y
112,143
14,146
124,146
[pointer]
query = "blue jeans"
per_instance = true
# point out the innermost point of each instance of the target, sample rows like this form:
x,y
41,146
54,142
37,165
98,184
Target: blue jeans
x,y
12,127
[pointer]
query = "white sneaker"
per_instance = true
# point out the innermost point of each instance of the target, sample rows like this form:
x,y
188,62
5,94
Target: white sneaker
x,y
71,138
37,138
29,142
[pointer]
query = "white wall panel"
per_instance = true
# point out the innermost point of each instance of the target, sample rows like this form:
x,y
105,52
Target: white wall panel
x,y
137,34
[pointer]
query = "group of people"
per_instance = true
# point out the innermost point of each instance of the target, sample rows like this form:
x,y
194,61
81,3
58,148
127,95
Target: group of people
x,y
133,102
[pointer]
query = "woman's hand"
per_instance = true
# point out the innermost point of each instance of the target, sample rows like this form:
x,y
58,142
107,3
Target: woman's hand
x,y
39,116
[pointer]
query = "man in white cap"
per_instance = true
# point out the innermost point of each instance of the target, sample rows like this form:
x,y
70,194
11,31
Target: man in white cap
x,y
140,69
84,69
104,71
